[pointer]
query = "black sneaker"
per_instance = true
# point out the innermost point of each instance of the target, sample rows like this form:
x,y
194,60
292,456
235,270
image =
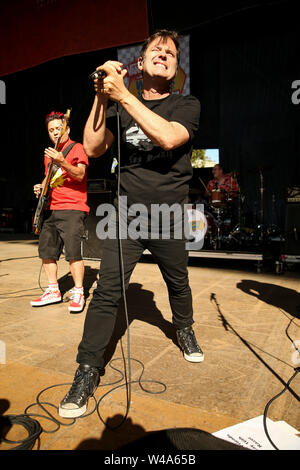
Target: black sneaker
x,y
188,343
86,381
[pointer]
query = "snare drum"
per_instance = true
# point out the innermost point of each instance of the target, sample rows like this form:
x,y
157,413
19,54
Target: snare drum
x,y
217,198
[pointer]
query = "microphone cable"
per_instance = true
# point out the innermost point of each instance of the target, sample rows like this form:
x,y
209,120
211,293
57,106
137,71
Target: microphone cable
x,y
122,277
296,370
33,427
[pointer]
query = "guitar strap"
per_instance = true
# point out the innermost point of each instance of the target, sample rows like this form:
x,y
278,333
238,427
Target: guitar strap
x,y
65,153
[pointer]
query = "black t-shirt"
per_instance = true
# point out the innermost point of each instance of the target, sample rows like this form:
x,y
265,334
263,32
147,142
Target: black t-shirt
x,y
149,174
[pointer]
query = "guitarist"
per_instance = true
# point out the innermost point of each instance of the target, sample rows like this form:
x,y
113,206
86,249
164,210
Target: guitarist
x,y
64,219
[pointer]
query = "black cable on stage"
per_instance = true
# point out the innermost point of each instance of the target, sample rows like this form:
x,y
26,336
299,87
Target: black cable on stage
x,y
39,278
139,381
286,387
271,401
34,428
291,340
297,369
17,259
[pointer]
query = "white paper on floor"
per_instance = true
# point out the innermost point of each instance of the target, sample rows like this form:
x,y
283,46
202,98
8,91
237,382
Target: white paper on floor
x,y
251,434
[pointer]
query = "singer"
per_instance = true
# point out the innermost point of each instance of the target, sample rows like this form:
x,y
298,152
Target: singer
x,y
156,131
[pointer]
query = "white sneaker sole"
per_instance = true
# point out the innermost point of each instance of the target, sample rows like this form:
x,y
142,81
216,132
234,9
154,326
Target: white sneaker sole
x,y
42,304
71,413
76,309
193,358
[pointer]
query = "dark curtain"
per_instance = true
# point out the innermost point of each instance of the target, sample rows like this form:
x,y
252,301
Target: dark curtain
x,y
259,123
242,72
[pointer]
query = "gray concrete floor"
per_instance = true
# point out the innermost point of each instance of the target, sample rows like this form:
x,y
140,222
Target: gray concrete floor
x,y
248,355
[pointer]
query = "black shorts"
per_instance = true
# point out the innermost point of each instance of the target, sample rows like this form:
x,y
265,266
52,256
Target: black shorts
x,y
62,228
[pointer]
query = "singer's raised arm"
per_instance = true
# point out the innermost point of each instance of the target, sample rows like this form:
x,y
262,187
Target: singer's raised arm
x,y
96,138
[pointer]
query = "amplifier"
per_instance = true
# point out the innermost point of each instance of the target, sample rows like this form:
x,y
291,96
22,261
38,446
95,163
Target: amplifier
x,y
293,194
293,199
292,229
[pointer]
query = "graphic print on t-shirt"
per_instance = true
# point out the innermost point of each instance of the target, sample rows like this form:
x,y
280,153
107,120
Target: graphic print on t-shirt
x,y
136,137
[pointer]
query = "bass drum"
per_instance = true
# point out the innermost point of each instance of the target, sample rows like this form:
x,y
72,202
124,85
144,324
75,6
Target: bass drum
x,y
211,224
211,231
202,227
197,224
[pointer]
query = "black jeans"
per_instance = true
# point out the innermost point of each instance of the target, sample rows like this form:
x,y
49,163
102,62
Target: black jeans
x,y
171,257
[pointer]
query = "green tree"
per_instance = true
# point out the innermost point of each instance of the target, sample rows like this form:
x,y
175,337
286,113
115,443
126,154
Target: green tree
x,y
198,158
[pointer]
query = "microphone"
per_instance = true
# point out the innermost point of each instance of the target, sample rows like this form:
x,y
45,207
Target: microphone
x,y
97,74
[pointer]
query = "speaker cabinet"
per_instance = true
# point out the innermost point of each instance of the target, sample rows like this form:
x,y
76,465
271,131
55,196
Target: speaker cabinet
x,y
91,246
292,229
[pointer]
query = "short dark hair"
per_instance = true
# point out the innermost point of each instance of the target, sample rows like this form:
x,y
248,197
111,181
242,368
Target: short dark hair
x,y
164,34
54,115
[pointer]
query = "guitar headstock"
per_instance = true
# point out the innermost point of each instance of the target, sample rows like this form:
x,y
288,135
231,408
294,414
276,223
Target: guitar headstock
x,y
64,126
65,122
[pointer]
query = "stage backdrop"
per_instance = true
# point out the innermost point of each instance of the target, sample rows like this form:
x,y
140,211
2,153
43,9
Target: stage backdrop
x,y
36,31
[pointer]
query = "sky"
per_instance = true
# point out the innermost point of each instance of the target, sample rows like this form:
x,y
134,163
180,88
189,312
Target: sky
x,y
213,154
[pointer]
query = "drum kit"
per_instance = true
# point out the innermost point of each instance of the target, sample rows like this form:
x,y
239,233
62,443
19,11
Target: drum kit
x,y
230,224
220,218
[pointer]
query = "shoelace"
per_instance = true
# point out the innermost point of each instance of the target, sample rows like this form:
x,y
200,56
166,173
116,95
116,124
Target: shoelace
x,y
49,291
72,292
81,382
190,341
76,297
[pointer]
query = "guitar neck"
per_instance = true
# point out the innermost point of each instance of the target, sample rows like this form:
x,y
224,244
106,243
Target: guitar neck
x,y
49,172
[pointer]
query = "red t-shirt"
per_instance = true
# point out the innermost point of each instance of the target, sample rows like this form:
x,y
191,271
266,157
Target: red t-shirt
x,y
66,192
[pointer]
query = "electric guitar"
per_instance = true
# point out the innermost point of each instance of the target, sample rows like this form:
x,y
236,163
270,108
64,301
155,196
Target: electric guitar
x,y
44,196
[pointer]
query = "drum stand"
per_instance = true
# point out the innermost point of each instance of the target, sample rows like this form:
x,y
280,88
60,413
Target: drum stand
x,y
260,227
237,230
273,229
217,240
237,234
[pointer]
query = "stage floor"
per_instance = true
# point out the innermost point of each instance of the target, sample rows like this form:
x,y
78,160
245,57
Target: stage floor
x,y
249,355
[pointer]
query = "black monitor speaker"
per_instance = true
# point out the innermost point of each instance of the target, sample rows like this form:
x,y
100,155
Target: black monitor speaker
x,y
292,229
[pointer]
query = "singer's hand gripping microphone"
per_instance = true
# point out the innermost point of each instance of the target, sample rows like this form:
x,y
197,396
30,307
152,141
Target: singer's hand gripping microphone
x,y
97,74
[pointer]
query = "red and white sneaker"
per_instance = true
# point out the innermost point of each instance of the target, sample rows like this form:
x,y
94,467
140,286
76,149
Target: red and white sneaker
x,y
77,301
50,296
